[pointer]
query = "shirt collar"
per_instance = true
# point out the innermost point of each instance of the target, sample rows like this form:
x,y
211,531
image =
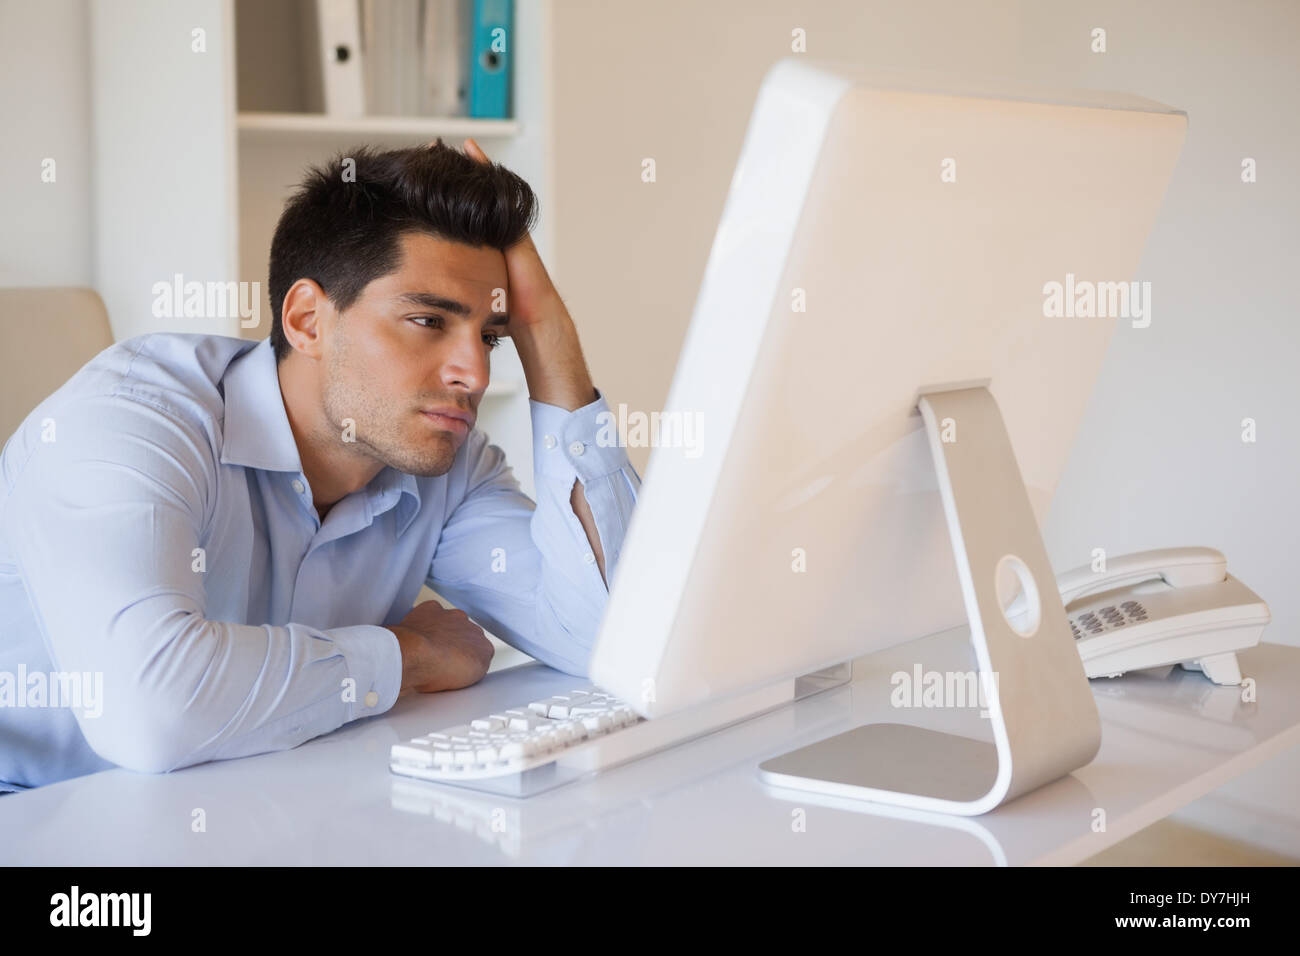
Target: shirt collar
x,y
258,434
391,487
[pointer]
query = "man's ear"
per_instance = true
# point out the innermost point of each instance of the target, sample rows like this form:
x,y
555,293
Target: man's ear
x,y
302,317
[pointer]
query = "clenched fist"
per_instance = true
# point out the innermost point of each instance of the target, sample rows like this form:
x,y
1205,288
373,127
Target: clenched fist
x,y
442,649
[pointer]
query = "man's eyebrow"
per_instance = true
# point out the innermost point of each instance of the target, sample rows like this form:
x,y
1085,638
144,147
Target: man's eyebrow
x,y
432,301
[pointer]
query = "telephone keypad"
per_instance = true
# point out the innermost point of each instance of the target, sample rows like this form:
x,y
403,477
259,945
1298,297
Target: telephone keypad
x,y
1107,618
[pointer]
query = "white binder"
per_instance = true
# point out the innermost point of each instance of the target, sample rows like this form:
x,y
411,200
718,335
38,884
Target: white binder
x,y
332,57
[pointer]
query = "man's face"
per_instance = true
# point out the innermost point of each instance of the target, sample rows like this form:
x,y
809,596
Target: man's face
x,y
414,340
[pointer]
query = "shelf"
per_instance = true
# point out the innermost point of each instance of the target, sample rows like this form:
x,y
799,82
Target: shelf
x,y
401,130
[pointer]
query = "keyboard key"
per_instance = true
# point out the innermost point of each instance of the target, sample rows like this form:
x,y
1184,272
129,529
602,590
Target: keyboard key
x,y
562,708
579,730
558,711
516,751
413,754
563,734
529,723
597,723
625,715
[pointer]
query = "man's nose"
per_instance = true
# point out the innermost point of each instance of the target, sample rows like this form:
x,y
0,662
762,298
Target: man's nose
x,y
466,366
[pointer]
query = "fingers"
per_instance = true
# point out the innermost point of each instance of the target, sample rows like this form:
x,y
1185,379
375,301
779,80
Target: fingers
x,y
475,151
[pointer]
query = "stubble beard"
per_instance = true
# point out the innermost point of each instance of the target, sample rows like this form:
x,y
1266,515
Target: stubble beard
x,y
378,432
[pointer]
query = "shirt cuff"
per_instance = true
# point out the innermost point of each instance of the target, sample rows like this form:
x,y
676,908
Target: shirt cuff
x,y
584,442
374,660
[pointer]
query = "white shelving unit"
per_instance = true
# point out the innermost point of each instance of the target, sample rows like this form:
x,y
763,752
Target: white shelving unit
x,y
177,192
268,127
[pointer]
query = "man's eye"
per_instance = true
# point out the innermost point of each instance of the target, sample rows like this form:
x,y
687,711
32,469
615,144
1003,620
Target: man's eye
x,y
490,339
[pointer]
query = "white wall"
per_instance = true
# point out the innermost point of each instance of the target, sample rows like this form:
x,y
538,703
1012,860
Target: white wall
x,y
165,164
1158,460
80,83
44,113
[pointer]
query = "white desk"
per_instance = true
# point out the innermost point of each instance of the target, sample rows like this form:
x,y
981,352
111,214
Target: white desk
x,y
1166,741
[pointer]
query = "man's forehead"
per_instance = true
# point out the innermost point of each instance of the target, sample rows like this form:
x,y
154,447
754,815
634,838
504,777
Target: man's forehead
x,y
432,268
473,264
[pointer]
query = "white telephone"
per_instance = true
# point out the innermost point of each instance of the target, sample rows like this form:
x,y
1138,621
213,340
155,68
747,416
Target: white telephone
x,y
1154,608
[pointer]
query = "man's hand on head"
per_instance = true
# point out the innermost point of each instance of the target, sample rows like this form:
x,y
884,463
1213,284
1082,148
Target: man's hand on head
x,y
532,295
543,332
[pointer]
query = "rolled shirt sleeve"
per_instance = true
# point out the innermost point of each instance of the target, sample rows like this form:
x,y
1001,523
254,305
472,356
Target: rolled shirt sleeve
x,y
107,521
525,570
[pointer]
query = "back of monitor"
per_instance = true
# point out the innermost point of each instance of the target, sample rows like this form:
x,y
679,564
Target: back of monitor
x,y
879,239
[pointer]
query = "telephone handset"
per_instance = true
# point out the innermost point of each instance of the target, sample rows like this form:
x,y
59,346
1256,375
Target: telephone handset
x,y
1155,608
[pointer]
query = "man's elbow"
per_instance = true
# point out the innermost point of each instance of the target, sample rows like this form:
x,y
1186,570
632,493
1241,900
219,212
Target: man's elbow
x,y
145,719
138,737
572,658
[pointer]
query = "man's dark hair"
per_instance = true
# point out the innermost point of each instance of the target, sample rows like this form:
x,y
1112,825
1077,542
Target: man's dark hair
x,y
342,227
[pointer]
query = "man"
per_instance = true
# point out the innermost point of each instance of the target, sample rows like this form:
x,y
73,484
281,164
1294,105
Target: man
x,y
210,547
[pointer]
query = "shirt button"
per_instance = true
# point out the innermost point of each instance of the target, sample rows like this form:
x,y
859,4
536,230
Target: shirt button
x,y
588,558
372,699
298,486
577,448
549,441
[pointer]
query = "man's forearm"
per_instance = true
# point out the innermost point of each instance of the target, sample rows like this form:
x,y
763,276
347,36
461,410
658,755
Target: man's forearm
x,y
413,664
553,364
557,375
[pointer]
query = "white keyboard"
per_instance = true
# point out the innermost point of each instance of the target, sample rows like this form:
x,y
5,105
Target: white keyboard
x,y
525,750
514,740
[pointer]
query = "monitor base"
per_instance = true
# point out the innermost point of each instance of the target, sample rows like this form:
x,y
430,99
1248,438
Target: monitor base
x,y
1040,706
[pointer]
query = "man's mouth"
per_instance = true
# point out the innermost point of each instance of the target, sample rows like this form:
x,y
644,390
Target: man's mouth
x,y
452,421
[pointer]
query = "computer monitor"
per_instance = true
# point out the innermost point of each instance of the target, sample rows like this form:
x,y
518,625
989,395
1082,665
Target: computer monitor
x,y
911,279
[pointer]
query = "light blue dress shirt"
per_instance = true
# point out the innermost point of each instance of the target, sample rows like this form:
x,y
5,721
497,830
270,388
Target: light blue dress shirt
x,y
158,536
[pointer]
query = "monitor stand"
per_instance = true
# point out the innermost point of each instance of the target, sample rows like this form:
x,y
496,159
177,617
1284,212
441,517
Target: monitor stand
x,y
1044,720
